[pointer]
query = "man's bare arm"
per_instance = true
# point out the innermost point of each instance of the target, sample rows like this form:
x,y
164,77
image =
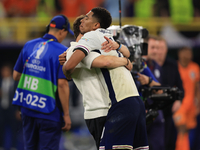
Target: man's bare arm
x,y
63,92
99,62
16,75
144,80
111,62
124,50
73,61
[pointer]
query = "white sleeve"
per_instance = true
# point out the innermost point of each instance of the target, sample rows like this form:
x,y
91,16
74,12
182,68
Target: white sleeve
x,y
69,53
90,41
87,61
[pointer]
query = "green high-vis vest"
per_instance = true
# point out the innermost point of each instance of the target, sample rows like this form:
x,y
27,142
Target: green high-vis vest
x,y
144,8
181,10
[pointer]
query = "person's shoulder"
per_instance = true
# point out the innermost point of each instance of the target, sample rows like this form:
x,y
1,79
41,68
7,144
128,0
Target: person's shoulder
x,y
33,41
90,37
73,43
155,63
98,32
103,32
72,46
60,47
89,34
194,64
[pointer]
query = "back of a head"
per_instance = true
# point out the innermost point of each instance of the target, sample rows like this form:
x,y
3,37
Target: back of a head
x,y
59,22
76,25
184,49
103,16
6,70
185,55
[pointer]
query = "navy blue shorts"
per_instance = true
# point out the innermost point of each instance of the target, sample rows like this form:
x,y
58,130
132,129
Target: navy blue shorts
x,y
125,127
95,127
41,134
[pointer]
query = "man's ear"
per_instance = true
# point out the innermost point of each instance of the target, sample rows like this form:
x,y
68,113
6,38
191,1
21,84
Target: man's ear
x,y
97,25
62,31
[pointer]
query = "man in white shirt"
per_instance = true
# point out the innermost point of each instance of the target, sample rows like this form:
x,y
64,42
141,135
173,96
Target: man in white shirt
x,y
125,126
87,76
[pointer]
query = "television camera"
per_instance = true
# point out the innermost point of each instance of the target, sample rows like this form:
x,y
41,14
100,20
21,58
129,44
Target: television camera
x,y
157,101
133,37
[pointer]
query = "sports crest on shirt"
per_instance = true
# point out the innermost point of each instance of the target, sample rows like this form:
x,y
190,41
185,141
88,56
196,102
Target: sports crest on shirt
x,y
192,75
41,49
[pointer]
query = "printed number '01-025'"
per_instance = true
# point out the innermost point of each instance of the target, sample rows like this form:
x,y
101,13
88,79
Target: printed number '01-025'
x,y
31,99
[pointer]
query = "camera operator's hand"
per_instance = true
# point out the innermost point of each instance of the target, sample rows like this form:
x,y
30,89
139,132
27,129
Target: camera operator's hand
x,y
146,80
62,58
143,79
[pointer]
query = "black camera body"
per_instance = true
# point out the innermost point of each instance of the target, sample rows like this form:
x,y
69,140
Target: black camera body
x,y
168,96
159,101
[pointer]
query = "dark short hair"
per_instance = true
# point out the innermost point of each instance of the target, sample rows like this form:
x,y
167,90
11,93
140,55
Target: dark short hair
x,y
52,28
76,25
103,16
185,48
60,22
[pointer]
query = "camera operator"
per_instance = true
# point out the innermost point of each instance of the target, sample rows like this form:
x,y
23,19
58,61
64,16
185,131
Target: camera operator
x,y
155,130
169,76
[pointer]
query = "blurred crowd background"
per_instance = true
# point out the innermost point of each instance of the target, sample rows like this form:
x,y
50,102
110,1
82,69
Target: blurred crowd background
x,y
178,21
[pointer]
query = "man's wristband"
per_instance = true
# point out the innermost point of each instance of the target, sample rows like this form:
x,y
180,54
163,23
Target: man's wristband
x,y
120,45
127,61
150,80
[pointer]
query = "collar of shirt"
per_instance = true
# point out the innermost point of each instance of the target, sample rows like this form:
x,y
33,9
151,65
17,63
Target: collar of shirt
x,y
49,36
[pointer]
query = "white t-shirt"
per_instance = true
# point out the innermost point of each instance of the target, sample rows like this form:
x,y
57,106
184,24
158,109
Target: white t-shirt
x,y
99,87
95,99
92,41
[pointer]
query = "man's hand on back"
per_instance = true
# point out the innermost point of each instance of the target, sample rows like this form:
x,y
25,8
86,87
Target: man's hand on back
x,y
109,45
62,58
129,65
